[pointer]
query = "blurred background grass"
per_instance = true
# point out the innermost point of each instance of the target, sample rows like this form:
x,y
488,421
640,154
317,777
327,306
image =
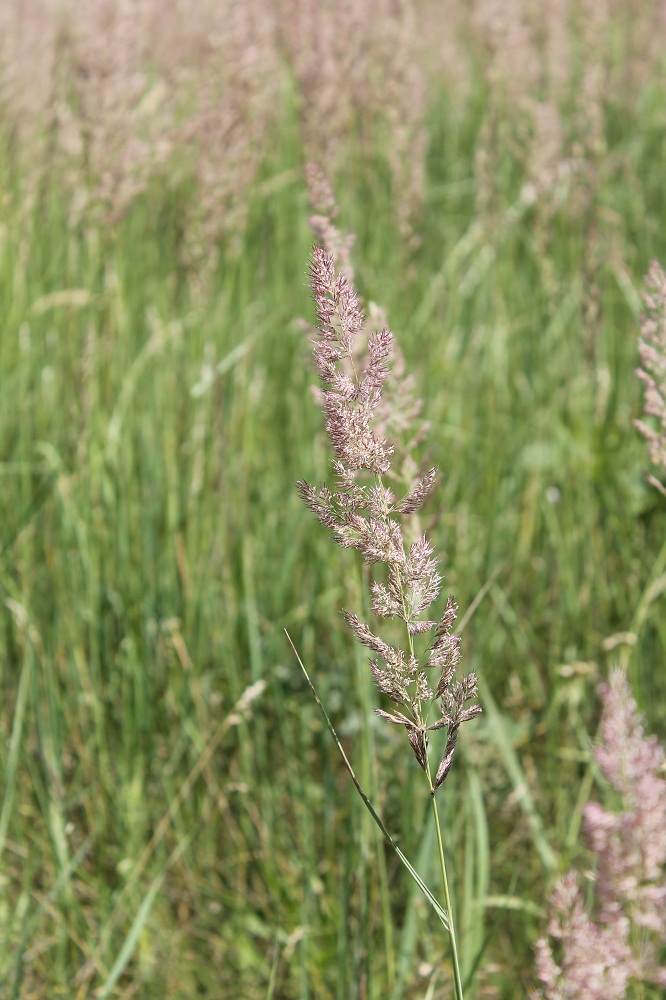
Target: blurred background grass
x,y
155,412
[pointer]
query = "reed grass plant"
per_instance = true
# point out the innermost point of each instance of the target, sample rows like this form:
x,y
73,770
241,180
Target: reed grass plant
x,y
364,513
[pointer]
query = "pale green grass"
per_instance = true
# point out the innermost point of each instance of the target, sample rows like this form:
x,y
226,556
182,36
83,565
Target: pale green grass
x,y
153,548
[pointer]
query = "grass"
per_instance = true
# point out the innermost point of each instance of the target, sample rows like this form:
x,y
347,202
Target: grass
x,y
153,549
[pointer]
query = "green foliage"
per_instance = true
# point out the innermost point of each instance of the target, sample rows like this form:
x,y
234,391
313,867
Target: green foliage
x,y
153,548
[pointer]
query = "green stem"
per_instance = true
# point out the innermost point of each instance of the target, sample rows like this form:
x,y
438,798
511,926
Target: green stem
x,y
447,896
447,899
369,778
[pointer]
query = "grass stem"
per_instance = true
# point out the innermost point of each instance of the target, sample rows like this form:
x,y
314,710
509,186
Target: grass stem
x,y
447,902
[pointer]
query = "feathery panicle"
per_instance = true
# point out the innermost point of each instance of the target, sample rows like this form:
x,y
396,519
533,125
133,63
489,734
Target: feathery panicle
x,y
366,515
397,408
652,373
631,847
322,223
348,401
599,956
595,962
356,64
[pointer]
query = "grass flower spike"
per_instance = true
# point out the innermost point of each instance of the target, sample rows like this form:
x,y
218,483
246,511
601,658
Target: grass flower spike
x,y
652,373
365,514
599,955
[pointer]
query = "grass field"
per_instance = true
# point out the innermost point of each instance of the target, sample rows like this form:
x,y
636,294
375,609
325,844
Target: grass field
x,y
155,414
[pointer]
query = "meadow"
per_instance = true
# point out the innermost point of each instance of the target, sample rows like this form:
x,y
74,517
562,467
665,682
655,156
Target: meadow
x,y
175,820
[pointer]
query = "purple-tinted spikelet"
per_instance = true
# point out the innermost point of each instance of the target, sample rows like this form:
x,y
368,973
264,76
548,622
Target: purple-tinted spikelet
x,y
322,222
631,846
365,514
395,415
652,373
599,954
349,400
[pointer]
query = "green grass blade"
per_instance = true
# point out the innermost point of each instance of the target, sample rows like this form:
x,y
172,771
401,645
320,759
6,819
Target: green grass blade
x,y
436,905
17,728
129,944
517,776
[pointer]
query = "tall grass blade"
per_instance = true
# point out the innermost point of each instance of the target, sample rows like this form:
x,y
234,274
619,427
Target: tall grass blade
x,y
517,776
437,907
17,728
129,944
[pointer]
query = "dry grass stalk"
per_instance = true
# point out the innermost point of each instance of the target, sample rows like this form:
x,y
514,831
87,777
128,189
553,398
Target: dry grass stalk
x,y
652,372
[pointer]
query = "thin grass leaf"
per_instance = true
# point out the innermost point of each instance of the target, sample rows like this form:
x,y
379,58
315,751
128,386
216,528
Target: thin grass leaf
x,y
436,905
476,877
408,935
515,903
654,587
517,776
17,725
129,944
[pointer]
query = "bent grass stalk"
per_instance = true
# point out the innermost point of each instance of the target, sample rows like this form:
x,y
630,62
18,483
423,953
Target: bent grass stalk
x,y
364,513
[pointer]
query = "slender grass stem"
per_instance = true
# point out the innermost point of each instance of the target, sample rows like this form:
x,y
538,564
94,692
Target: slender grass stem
x,y
442,859
364,683
447,900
